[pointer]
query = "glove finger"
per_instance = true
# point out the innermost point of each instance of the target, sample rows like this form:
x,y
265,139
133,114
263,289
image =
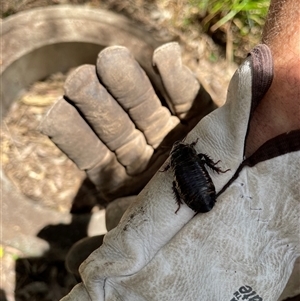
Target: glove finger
x,y
180,83
80,251
108,120
113,181
127,82
78,293
69,131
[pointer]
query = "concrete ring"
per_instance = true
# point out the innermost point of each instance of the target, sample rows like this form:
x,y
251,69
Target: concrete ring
x,y
39,42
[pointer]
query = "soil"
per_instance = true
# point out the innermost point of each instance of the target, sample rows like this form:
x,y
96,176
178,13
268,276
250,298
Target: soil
x,y
30,160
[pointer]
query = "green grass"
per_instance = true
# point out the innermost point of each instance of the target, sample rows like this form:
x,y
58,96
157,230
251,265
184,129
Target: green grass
x,y
249,12
238,22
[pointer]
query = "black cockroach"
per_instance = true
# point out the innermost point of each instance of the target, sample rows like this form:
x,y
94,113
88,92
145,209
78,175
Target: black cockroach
x,y
192,183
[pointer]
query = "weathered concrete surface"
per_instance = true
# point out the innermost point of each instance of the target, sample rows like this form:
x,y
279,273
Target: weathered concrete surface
x,y
39,42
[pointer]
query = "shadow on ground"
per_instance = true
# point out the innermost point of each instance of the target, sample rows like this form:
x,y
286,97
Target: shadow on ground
x,y
35,230
45,278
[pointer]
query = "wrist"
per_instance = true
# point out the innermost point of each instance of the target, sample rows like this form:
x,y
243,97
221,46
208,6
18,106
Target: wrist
x,y
279,110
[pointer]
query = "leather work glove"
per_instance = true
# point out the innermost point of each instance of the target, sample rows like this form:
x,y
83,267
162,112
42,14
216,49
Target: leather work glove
x,y
112,124
245,248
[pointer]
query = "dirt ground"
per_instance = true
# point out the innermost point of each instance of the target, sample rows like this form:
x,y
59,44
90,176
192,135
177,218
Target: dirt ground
x,y
41,171
31,161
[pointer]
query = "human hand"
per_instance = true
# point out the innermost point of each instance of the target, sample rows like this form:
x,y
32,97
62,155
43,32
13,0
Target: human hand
x,y
112,124
244,248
